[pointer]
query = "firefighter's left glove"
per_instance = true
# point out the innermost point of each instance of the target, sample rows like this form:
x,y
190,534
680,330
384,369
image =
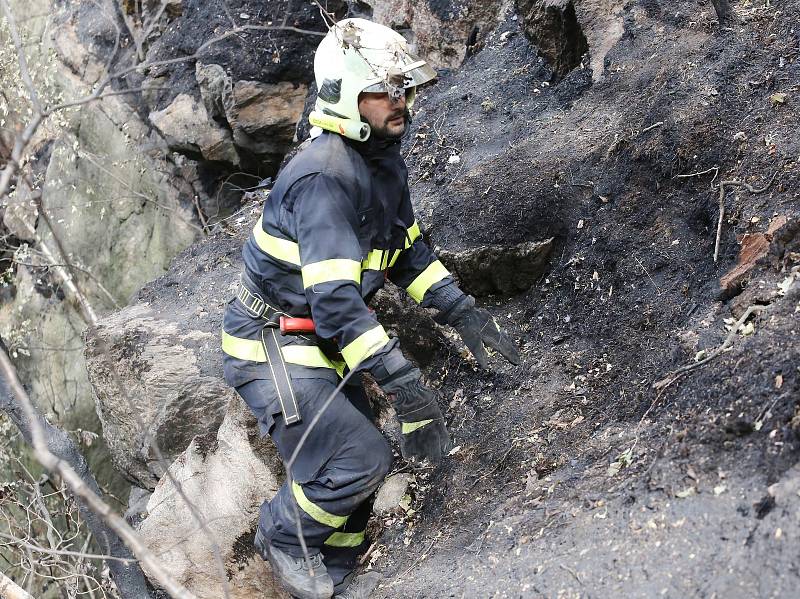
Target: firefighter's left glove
x,y
424,435
477,327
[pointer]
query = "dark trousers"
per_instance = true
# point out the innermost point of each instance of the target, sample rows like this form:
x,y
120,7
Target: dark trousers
x,y
337,470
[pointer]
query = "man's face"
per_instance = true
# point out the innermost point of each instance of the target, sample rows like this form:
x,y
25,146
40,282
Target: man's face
x,y
387,117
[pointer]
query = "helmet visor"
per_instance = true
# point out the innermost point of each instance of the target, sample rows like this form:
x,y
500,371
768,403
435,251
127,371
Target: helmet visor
x,y
415,74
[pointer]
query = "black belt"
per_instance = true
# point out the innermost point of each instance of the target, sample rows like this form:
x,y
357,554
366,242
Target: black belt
x,y
257,306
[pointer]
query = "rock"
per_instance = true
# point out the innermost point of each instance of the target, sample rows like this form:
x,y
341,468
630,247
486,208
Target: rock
x,y
227,476
76,53
187,128
216,88
565,30
165,348
165,386
489,269
553,26
115,208
440,30
391,493
264,115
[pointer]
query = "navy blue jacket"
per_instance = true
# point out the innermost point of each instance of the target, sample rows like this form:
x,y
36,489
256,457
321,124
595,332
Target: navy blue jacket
x,y
336,225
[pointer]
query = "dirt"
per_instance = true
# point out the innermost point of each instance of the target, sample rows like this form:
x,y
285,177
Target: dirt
x,y
574,476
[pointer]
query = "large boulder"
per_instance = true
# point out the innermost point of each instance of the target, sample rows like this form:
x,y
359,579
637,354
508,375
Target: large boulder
x,y
264,115
261,117
226,476
119,211
499,269
156,366
157,386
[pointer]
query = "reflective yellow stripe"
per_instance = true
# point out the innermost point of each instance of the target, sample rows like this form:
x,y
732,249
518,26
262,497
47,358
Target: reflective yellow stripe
x,y
299,355
346,539
373,260
282,249
410,427
306,355
433,274
395,257
413,234
244,349
331,270
289,251
314,510
364,346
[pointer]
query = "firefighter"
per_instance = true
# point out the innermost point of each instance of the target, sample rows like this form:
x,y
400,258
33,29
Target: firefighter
x,y
336,225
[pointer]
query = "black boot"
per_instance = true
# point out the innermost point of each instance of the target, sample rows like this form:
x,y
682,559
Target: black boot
x,y
293,572
358,587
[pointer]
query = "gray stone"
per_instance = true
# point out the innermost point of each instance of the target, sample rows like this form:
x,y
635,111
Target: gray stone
x,y
226,476
391,493
502,269
156,380
186,126
263,116
216,88
439,29
565,30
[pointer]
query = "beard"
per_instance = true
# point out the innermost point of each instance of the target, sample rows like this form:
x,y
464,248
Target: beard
x,y
386,130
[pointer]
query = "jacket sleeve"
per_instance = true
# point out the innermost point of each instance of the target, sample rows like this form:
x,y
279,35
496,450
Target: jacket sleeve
x,y
422,275
326,223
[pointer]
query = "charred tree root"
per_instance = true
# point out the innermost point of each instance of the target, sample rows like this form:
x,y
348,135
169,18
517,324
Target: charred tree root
x,y
733,183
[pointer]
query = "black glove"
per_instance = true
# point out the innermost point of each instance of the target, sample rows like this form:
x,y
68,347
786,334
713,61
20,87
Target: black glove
x,y
476,327
424,434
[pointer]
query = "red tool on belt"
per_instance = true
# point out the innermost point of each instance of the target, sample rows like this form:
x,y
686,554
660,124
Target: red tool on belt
x,y
297,326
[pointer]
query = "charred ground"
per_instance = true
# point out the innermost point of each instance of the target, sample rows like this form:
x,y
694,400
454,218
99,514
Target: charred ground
x,y
574,476
528,505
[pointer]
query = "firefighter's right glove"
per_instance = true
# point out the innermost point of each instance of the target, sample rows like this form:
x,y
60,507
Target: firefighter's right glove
x,y
424,434
477,327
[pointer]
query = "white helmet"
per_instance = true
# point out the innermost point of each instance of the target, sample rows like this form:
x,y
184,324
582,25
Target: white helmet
x,y
357,56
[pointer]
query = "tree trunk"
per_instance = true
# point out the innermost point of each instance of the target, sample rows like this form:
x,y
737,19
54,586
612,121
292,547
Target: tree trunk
x,y
127,576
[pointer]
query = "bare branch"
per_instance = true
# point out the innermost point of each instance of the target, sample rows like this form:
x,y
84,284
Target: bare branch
x,y
10,590
676,374
21,58
83,554
33,426
722,186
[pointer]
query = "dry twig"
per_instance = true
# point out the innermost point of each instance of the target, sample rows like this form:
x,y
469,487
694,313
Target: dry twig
x,y
651,127
33,423
734,183
676,374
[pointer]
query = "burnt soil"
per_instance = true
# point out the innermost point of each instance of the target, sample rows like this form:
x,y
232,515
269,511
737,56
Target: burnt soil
x,y
692,506
574,476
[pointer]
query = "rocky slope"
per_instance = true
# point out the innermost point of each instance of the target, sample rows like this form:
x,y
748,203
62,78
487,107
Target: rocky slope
x,y
588,470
